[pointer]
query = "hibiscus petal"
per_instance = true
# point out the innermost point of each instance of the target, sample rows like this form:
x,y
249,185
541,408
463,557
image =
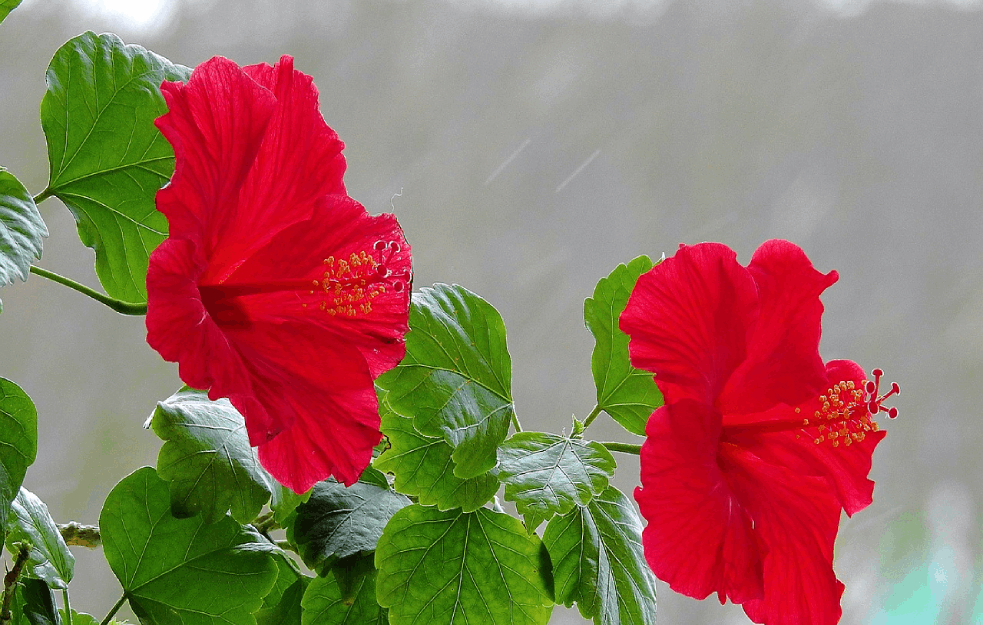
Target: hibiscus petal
x,y
688,319
216,124
782,363
339,229
699,536
181,330
845,466
298,163
796,517
324,387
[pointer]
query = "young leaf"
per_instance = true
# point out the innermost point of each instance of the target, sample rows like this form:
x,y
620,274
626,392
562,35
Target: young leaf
x,y
37,603
324,603
6,6
49,557
599,564
78,618
182,571
456,378
18,443
472,568
107,158
547,474
628,394
424,469
337,522
21,229
207,458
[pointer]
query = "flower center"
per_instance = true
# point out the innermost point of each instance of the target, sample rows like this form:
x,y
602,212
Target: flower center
x,y
348,286
845,412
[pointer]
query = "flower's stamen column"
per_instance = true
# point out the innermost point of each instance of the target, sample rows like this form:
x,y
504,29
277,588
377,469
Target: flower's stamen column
x,y
348,286
846,411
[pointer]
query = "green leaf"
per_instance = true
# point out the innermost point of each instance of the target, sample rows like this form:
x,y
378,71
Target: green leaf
x,y
628,394
207,459
599,564
79,618
21,228
456,378
324,603
477,568
38,603
286,576
547,474
338,521
424,469
18,443
49,557
6,6
182,571
288,610
107,158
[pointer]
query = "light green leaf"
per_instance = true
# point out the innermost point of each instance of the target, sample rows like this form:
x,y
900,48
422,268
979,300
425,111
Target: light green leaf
x,y
628,394
324,603
182,571
18,443
424,469
547,474
79,618
339,521
31,524
472,568
21,228
6,6
456,378
207,458
598,561
287,575
285,501
107,158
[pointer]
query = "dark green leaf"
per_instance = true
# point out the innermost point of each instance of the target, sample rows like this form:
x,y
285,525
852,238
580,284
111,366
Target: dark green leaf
x,y
424,469
6,6
324,603
599,564
348,572
288,609
474,568
18,442
285,501
31,524
207,459
547,474
182,571
287,575
624,392
107,158
38,603
456,379
21,228
338,521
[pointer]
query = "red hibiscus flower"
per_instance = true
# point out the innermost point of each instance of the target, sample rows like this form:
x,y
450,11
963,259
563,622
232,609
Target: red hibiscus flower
x,y
274,288
744,471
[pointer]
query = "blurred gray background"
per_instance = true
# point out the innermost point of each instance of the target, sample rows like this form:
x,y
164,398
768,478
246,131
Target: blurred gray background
x,y
528,148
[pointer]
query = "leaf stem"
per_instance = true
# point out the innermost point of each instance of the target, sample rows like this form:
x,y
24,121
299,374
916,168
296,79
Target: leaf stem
x,y
593,415
515,422
10,583
625,448
125,308
114,610
40,197
68,607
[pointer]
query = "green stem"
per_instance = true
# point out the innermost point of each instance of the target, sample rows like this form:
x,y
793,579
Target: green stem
x,y
593,415
125,308
515,422
68,607
625,448
114,610
40,197
10,584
